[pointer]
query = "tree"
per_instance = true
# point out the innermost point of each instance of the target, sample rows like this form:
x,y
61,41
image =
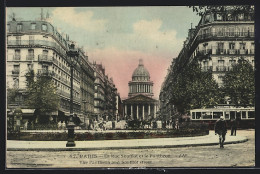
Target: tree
x,y
41,95
239,83
234,10
193,88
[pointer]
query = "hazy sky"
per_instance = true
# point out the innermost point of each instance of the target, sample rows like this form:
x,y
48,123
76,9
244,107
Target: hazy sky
x,y
118,36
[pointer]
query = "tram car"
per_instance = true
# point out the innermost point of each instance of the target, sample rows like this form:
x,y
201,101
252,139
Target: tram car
x,y
245,116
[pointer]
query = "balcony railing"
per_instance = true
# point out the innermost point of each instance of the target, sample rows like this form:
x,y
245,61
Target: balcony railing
x,y
38,43
204,52
221,68
232,51
243,51
220,51
45,58
30,57
225,34
45,72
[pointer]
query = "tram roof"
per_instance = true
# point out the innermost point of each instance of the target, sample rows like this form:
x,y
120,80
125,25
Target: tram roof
x,y
222,109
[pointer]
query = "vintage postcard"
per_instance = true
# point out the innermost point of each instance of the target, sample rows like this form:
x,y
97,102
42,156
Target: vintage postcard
x,y
130,87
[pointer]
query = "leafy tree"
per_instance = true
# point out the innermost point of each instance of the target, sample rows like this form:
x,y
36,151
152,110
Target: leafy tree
x,y
41,95
239,83
193,88
12,93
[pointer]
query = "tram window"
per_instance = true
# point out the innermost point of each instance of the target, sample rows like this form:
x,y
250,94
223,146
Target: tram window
x,y
193,115
206,115
217,115
226,115
232,115
198,115
243,114
251,114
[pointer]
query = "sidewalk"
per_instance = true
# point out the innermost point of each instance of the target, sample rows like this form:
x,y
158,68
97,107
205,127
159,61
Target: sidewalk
x,y
208,140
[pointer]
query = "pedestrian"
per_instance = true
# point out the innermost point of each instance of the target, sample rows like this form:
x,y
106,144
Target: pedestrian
x,y
25,125
59,125
221,130
63,125
177,124
234,127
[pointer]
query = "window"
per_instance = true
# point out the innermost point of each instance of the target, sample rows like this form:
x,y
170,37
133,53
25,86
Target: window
x,y
17,55
242,46
231,45
241,16
33,26
216,115
18,40
44,27
219,17
220,62
251,114
30,55
31,40
19,27
231,31
232,62
30,66
243,114
220,80
16,83
8,27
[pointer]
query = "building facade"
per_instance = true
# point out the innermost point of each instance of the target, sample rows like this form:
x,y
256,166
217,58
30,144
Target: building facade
x,y
140,104
38,46
105,98
218,41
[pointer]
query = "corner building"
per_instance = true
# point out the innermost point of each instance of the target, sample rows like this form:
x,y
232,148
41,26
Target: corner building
x,y
218,41
140,104
38,46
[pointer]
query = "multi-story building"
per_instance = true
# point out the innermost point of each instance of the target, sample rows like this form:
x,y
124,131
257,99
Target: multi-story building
x,y
140,104
119,107
87,87
38,46
217,42
105,94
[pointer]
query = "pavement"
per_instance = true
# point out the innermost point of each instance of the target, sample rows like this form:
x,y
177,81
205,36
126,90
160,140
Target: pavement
x,y
207,140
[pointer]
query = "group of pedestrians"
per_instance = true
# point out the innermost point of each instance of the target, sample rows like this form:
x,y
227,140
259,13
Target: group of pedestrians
x,y
221,129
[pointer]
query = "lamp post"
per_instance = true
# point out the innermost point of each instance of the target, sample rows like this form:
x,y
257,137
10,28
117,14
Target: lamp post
x,y
73,56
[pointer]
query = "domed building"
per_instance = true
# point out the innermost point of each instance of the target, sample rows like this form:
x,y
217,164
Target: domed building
x,y
140,103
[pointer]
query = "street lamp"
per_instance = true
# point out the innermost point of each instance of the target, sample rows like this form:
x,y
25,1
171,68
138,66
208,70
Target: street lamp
x,y
73,56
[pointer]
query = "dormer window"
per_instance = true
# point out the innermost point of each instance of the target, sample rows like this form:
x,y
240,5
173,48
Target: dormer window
x,y
33,26
44,27
19,27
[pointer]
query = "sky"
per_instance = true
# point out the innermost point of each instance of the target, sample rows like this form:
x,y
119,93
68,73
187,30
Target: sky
x,y
118,37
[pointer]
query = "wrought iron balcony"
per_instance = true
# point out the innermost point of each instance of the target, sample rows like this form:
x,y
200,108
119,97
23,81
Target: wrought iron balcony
x,y
45,72
37,43
45,58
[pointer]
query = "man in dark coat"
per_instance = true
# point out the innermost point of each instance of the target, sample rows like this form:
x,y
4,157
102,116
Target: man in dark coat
x,y
233,127
221,130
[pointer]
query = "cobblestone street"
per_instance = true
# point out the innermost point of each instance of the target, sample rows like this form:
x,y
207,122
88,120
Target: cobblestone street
x,y
242,154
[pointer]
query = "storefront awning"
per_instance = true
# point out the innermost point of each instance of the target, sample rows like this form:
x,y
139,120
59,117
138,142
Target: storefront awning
x,y
28,111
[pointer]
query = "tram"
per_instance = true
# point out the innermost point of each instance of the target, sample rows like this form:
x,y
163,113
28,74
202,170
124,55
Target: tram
x,y
244,115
